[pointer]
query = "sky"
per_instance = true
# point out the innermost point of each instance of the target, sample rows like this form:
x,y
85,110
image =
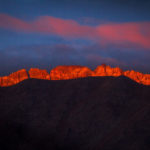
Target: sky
x,y
48,33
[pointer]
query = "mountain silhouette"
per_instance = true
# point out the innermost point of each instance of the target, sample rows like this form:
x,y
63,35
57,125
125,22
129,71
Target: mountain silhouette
x,y
92,113
72,72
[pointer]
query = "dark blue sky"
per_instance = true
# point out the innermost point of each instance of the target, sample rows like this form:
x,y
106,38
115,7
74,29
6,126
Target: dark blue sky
x,y
106,10
75,32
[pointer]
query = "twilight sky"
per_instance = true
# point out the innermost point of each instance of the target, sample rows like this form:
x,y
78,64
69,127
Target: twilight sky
x,y
47,33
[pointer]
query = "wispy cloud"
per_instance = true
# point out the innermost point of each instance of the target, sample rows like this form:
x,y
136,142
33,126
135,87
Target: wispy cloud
x,y
132,33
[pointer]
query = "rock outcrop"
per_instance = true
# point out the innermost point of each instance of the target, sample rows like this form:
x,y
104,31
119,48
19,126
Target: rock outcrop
x,y
14,78
69,72
138,77
39,74
72,72
104,70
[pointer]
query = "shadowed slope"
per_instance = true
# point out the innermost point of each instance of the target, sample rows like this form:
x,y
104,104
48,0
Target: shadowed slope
x,y
93,113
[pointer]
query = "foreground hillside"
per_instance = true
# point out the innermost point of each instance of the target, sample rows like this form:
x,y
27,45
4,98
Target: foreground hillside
x,y
94,113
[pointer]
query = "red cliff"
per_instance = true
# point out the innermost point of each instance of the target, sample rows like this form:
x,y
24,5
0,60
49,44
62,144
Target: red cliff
x,y
14,78
72,72
138,77
39,74
69,72
104,70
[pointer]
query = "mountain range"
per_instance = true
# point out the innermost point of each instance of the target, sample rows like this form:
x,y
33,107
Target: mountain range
x,y
72,72
92,113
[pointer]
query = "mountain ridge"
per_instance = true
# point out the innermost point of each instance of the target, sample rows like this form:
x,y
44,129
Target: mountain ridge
x,y
90,113
72,72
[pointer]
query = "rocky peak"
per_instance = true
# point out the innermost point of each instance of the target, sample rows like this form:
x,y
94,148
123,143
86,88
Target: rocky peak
x,y
14,78
69,72
39,74
104,70
138,77
146,79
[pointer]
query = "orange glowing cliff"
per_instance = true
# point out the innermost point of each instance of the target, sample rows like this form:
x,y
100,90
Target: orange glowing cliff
x,y
72,72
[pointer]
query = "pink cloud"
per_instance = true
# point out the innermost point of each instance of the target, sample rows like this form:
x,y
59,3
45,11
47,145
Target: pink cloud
x,y
137,34
61,27
12,23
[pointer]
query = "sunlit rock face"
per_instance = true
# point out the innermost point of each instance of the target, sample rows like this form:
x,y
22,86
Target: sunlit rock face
x,y
72,72
138,77
14,78
146,79
69,72
39,74
104,70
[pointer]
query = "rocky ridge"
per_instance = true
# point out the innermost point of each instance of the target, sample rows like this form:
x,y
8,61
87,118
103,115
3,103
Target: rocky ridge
x,y
14,78
72,72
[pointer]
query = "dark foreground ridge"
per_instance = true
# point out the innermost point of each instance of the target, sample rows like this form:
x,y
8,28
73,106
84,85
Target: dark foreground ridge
x,y
94,113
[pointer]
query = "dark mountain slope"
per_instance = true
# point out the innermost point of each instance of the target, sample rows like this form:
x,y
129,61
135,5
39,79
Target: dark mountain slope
x,y
95,113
